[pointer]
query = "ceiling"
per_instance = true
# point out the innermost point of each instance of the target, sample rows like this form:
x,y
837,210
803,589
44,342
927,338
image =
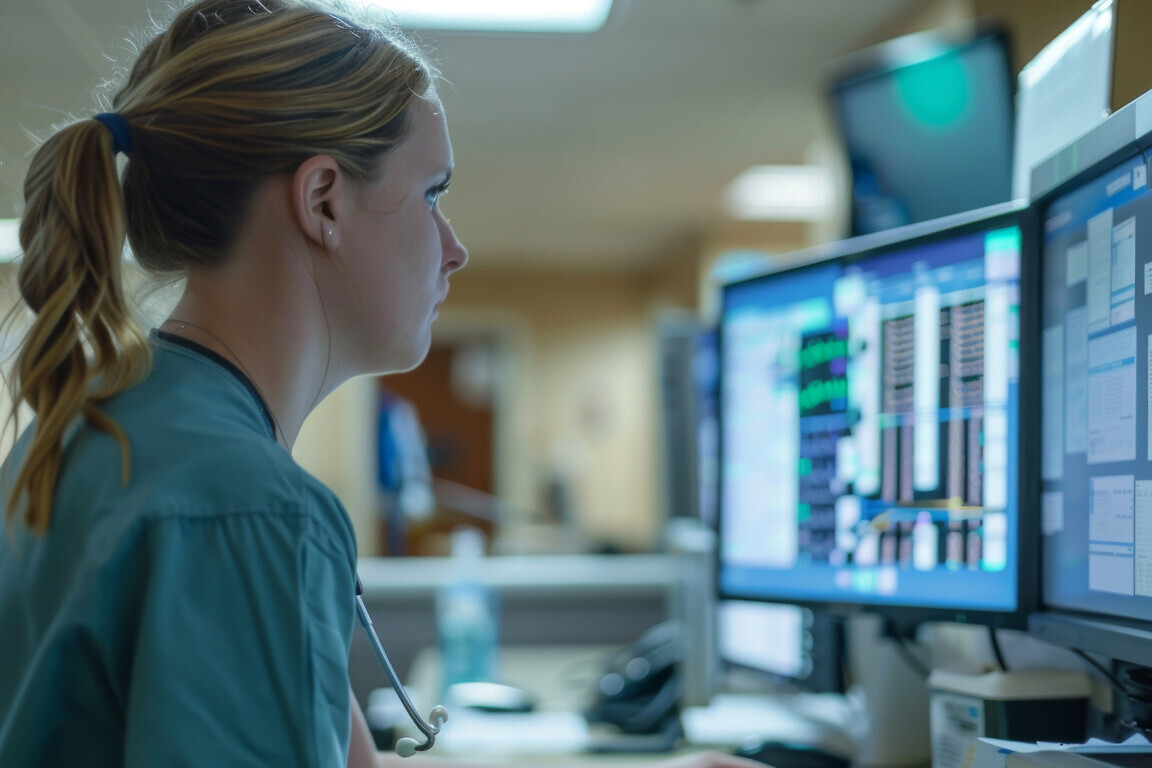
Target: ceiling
x,y
599,151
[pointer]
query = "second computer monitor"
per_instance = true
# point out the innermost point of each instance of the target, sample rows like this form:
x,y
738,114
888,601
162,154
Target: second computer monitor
x,y
1097,475
869,426
784,643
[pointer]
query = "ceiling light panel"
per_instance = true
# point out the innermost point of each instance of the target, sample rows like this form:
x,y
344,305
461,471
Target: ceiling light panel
x,y
781,193
498,15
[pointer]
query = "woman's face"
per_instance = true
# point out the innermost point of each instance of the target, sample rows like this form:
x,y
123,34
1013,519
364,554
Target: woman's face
x,y
397,250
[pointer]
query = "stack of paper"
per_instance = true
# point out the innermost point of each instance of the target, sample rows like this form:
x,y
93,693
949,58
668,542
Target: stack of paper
x,y
998,753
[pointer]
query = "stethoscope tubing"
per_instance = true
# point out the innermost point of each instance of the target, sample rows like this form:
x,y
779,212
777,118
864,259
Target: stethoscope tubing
x,y
438,715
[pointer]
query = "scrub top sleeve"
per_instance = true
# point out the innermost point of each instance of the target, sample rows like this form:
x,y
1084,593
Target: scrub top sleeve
x,y
241,652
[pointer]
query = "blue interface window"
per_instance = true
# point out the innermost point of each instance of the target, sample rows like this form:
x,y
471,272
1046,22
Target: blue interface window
x,y
869,428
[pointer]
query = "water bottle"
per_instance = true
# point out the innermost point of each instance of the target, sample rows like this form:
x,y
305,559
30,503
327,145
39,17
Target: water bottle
x,y
466,616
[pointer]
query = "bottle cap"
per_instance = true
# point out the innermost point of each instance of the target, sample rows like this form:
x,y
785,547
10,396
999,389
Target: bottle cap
x,y
467,542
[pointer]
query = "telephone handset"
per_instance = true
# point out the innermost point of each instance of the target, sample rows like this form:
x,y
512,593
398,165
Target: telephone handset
x,y
639,692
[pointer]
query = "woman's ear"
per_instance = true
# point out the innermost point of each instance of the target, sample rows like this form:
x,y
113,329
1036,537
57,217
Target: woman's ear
x,y
317,187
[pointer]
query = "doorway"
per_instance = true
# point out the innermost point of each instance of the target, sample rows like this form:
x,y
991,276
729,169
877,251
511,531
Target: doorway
x,y
453,392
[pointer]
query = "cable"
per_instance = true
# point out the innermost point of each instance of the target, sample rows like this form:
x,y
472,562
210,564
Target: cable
x,y
1123,703
1115,681
997,651
910,659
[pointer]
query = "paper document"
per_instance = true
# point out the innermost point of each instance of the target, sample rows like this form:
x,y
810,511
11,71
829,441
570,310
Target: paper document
x,y
994,753
540,733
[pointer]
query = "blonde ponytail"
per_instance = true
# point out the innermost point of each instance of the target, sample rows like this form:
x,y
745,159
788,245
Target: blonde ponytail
x,y
83,345
231,93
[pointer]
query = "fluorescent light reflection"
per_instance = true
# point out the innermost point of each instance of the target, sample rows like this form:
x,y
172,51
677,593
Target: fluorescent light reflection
x,y
498,15
10,242
9,239
781,193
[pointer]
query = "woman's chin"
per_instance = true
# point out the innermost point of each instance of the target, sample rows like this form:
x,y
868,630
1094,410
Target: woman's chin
x,y
410,358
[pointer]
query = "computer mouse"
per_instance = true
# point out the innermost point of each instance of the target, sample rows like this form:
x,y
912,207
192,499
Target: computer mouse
x,y
784,754
489,697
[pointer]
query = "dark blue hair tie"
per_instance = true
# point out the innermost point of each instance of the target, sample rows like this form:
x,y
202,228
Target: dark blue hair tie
x,y
118,126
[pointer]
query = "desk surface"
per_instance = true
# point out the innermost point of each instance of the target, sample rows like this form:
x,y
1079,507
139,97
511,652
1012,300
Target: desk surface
x,y
545,574
563,680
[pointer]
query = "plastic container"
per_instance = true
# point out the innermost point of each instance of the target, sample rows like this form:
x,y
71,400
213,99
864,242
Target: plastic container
x,y
466,613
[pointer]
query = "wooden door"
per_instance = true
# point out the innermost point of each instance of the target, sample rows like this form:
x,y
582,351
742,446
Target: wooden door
x,y
460,433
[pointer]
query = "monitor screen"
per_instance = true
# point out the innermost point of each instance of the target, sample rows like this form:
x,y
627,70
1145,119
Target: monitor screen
x,y
869,427
782,642
1096,457
928,129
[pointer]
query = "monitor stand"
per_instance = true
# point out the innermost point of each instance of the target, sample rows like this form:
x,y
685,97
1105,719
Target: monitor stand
x,y
892,699
882,720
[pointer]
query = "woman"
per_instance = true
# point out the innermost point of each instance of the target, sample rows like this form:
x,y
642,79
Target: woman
x,y
174,589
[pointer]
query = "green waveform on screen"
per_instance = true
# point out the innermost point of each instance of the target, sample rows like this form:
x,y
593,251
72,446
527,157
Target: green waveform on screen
x,y
819,392
823,351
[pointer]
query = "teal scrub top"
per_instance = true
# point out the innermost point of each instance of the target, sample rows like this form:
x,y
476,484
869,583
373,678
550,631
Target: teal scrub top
x,y
200,615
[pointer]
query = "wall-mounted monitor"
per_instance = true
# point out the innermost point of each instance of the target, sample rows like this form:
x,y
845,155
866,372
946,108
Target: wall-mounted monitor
x,y
927,127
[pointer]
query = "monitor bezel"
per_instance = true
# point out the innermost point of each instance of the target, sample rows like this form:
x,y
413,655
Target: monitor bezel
x,y
1059,621
1112,636
1115,141
903,618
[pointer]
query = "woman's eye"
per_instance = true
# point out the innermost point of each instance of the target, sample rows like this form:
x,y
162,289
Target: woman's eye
x,y
433,195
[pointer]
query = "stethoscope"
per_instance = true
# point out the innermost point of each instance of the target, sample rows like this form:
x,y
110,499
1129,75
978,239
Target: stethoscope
x,y
407,746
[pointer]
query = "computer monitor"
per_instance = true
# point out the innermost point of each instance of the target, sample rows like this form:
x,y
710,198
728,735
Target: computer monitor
x,y
927,126
1096,460
870,427
706,385
689,382
783,643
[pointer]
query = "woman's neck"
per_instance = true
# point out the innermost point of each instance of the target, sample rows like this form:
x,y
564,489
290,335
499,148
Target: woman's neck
x,y
272,330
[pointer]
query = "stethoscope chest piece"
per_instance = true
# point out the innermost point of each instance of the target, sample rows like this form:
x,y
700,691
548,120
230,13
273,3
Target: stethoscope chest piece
x,y
408,746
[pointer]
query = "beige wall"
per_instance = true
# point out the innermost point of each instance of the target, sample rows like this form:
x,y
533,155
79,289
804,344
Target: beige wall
x,y
337,445
933,14
585,376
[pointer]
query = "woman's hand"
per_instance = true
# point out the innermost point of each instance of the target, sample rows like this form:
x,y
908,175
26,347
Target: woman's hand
x,y
694,760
